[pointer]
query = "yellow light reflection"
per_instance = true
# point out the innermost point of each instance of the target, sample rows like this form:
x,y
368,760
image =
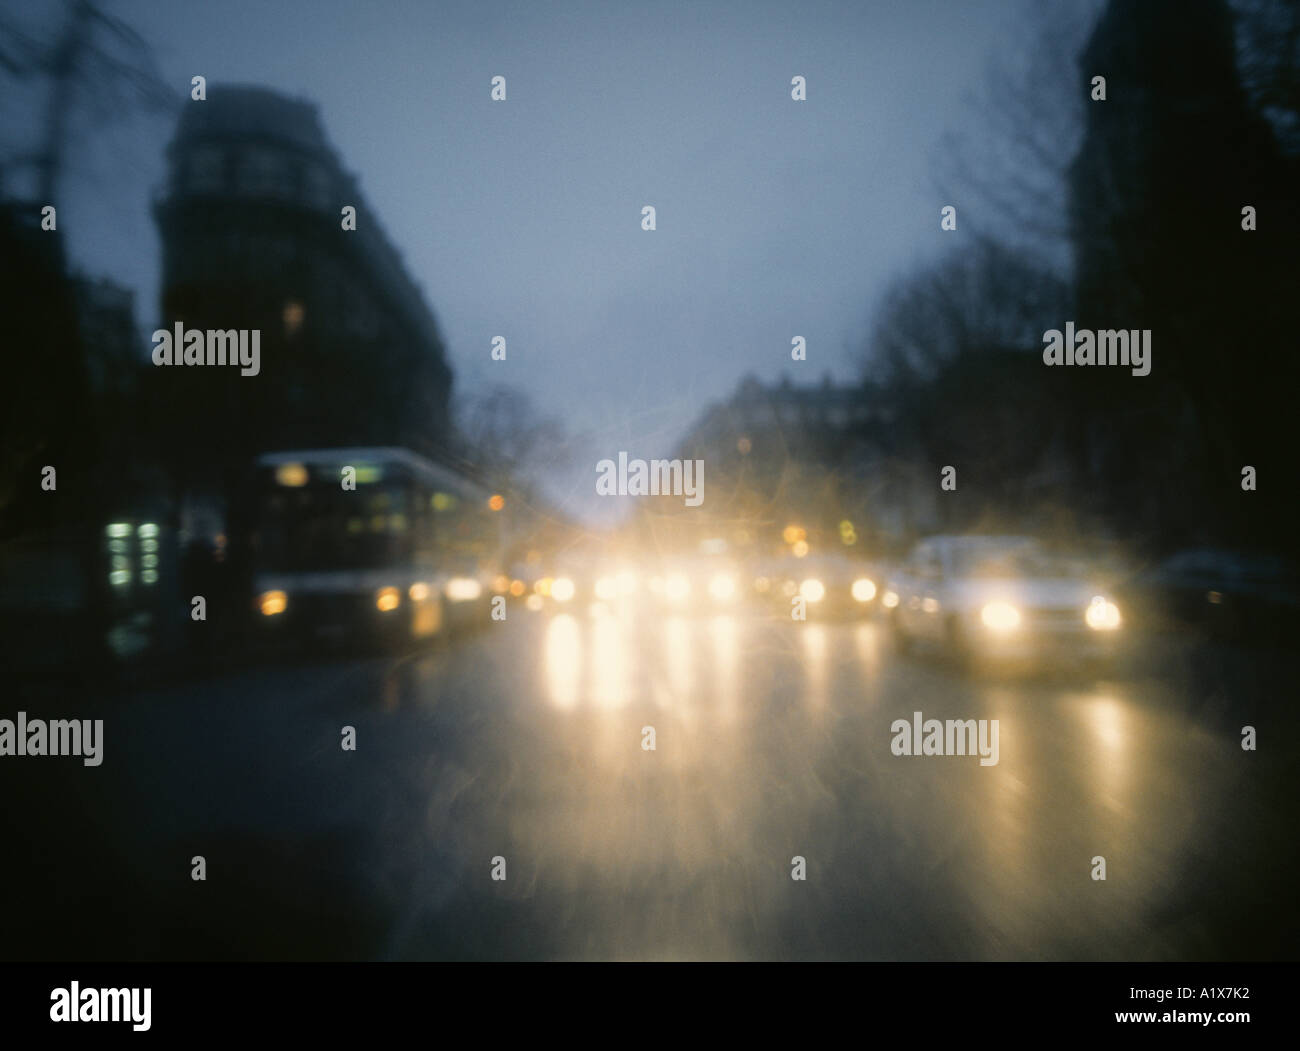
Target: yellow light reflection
x,y
726,666
678,660
813,638
563,662
609,663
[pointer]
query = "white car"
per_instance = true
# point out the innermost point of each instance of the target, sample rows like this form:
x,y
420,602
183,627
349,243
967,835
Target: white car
x,y
1000,597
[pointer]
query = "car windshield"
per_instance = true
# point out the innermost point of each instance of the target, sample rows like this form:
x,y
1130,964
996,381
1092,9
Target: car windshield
x,y
1025,560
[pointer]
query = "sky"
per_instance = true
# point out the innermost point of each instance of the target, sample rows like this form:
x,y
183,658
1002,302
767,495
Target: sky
x,y
522,218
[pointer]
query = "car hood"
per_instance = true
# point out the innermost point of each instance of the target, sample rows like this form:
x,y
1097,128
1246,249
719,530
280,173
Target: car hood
x,y
1028,593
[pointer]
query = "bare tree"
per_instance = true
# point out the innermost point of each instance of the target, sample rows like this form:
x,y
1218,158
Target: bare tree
x,y
1006,167
1268,58
507,437
95,64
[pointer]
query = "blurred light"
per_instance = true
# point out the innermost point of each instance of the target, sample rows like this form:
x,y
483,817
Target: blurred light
x,y
145,545
1102,615
677,587
930,605
497,502
148,530
149,576
743,446
463,589
722,587
368,473
118,529
516,588
117,546
387,599
792,534
563,660
864,590
762,585
293,314
533,603
606,588
714,545
272,602
800,548
789,588
150,561
889,599
562,589
500,583
441,501
1000,616
291,474
119,577
626,582
1215,597
419,591
812,589
542,586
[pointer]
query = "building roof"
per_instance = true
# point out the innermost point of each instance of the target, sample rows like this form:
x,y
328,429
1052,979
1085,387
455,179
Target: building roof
x,y
241,111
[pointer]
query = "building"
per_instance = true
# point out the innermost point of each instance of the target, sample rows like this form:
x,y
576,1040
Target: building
x,y
251,221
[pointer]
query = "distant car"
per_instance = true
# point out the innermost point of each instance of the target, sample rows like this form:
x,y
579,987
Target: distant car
x,y
1000,597
831,586
693,583
1226,594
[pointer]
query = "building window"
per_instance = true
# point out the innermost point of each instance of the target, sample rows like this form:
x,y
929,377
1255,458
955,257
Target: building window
x,y
293,315
264,173
207,170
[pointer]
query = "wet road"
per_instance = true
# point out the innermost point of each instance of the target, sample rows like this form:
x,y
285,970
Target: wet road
x,y
772,740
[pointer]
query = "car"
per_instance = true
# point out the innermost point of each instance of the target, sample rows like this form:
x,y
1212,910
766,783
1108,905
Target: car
x,y
832,586
990,598
1225,594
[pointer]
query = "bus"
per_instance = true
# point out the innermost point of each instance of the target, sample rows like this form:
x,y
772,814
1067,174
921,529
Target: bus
x,y
369,544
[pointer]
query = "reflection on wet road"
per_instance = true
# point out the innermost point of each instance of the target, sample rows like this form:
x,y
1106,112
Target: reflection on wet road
x,y
771,740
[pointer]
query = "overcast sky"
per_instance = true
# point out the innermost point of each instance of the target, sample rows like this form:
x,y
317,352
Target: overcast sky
x,y
522,218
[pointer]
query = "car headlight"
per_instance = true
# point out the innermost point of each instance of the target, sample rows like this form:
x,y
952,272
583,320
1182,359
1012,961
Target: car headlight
x,y
387,599
889,599
272,602
722,587
864,590
1102,614
419,591
1000,616
463,589
562,589
812,589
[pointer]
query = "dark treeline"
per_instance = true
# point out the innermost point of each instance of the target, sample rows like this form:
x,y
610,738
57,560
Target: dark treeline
x,y
1198,124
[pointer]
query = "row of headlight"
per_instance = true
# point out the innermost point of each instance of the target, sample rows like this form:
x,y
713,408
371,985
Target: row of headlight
x,y
1101,615
676,587
459,589
723,587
